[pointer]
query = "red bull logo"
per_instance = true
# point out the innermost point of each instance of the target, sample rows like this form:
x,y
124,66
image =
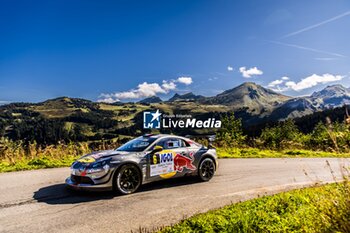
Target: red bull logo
x,y
181,162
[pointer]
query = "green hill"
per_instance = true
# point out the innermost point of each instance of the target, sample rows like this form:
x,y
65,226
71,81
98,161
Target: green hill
x,y
73,119
65,119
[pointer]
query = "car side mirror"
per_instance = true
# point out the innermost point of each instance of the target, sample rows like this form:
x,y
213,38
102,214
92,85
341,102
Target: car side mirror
x,y
157,149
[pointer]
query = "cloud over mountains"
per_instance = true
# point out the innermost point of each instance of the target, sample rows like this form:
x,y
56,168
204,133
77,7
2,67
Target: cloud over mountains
x,y
248,73
284,84
144,90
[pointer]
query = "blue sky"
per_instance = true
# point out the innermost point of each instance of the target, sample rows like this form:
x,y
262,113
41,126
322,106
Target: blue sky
x,y
124,49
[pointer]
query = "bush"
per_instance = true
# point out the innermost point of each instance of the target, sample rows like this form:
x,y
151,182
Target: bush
x,y
231,133
285,135
330,137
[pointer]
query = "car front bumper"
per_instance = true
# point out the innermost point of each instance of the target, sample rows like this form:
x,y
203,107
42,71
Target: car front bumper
x,y
73,184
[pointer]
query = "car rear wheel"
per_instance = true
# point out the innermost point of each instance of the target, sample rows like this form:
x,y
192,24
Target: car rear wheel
x,y
206,169
128,179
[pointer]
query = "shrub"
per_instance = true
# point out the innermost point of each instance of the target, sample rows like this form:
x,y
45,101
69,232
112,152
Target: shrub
x,y
329,137
231,133
285,135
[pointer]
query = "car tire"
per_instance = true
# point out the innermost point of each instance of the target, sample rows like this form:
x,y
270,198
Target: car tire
x,y
127,179
206,169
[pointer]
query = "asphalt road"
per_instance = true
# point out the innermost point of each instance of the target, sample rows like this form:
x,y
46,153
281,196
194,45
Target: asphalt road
x,y
37,201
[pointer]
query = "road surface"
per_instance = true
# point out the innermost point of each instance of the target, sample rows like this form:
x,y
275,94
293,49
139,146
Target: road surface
x,y
37,201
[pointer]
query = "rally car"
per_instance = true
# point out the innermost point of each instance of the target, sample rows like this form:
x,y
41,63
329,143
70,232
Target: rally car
x,y
143,160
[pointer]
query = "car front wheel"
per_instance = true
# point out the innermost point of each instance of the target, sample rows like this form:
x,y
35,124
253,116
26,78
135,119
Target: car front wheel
x,y
128,179
206,169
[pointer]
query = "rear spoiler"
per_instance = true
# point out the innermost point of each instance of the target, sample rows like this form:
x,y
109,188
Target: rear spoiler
x,y
210,138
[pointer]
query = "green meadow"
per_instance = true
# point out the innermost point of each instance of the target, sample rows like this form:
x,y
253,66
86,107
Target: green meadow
x,y
316,209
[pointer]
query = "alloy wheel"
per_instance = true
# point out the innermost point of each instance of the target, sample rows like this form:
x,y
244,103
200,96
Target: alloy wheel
x,y
206,169
128,179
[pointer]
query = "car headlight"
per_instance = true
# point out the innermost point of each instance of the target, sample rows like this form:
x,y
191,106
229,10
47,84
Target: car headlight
x,y
98,169
93,170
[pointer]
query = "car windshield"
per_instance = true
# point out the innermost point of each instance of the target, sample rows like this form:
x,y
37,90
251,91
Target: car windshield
x,y
137,144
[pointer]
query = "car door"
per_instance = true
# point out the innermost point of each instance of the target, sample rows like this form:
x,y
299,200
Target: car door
x,y
183,161
173,161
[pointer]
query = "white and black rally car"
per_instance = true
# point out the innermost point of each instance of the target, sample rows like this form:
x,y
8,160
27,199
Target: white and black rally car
x,y
142,160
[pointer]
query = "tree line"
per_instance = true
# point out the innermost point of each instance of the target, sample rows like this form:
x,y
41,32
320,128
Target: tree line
x,y
326,135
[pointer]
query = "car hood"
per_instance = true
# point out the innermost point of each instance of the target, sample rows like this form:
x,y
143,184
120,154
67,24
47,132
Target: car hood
x,y
99,155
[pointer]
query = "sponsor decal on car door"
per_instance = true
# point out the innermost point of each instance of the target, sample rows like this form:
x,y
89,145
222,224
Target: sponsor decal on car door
x,y
183,161
162,163
175,158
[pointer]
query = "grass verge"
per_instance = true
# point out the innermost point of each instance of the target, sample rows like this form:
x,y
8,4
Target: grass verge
x,y
14,156
317,209
261,153
37,163
17,158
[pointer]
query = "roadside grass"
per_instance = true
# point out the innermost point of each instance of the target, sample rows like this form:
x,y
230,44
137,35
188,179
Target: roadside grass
x,y
37,163
15,156
264,153
317,209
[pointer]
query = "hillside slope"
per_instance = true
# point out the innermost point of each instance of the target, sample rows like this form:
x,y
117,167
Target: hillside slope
x,y
77,119
253,97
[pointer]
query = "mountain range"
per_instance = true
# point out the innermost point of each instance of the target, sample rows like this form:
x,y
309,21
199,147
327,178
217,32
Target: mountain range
x,y
80,119
330,97
185,97
264,102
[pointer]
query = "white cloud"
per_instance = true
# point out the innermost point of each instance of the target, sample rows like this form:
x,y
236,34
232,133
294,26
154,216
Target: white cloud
x,y
290,84
150,89
313,80
145,90
248,73
283,84
278,85
185,80
168,85
275,83
107,99
229,68
279,88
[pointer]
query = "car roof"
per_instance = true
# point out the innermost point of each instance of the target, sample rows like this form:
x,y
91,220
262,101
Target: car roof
x,y
161,136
